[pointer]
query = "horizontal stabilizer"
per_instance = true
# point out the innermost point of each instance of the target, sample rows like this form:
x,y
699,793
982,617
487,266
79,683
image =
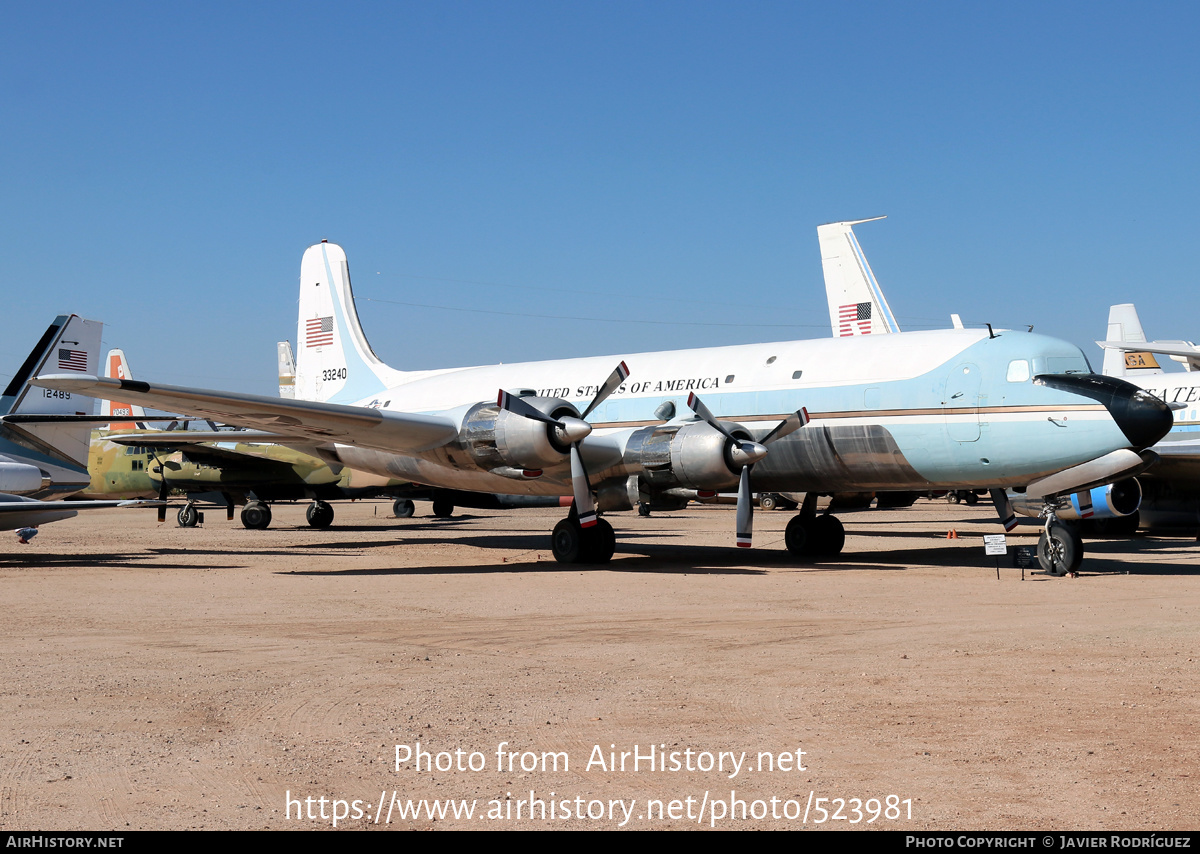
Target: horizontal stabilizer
x,y
1180,351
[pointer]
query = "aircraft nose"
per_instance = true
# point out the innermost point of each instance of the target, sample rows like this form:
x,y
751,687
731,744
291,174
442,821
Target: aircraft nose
x,y
1142,417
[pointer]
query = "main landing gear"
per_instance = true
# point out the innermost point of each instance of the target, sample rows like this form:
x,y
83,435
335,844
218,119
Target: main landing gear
x,y
573,543
403,508
810,535
319,514
256,515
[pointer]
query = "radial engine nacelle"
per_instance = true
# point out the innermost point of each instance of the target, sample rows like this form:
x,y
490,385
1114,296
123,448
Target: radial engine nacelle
x,y
694,456
503,441
1103,502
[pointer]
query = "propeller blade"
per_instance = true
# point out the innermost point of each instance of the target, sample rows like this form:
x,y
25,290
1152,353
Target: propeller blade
x,y
1004,509
162,487
607,387
787,426
706,416
584,507
745,511
517,406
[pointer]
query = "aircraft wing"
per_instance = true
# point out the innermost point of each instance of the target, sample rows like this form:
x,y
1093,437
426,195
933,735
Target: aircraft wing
x,y
1183,350
1181,450
180,438
26,505
397,432
19,511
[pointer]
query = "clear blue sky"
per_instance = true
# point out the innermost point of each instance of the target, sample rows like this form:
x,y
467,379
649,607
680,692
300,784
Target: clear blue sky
x,y
165,166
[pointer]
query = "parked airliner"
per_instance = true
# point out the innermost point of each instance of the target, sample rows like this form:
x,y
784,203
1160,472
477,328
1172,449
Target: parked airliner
x,y
950,409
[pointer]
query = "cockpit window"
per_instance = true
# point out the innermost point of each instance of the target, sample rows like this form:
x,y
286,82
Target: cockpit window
x,y
1018,371
1068,365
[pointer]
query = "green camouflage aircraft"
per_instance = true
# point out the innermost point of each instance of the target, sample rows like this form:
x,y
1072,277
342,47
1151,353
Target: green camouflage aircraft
x,y
230,473
128,461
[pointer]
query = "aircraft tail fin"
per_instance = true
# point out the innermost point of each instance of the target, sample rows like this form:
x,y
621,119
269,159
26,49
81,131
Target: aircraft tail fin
x,y
70,345
335,364
856,302
287,369
1124,325
116,366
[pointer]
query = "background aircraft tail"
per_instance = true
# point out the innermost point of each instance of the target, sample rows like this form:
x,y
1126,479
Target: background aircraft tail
x,y
41,426
287,369
334,362
1125,325
856,302
117,367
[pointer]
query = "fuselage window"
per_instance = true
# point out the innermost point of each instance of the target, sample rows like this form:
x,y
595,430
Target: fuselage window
x,y
1018,371
796,374
728,379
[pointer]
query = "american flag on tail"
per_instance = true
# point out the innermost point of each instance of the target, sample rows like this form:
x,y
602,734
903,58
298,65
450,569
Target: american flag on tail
x,y
72,360
318,332
854,319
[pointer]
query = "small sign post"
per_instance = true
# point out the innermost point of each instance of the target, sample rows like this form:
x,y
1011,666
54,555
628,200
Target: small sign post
x,y
995,544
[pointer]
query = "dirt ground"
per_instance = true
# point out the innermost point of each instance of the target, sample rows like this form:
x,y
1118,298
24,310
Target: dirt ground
x,y
157,677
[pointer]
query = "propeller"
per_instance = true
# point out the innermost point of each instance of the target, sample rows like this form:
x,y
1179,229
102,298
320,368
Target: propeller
x,y
572,431
747,452
162,486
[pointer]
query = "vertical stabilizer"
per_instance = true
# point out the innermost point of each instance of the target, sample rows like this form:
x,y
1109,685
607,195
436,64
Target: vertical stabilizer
x,y
1124,325
117,367
287,369
39,425
856,302
334,362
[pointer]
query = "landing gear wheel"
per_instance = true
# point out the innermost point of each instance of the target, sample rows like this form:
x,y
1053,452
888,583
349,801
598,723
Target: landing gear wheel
x,y
1060,550
821,535
767,501
319,514
643,509
574,544
829,535
798,538
188,516
443,508
971,498
603,542
567,542
402,508
256,516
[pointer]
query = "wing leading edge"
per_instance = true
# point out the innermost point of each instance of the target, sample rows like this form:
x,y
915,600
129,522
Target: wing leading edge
x,y
383,430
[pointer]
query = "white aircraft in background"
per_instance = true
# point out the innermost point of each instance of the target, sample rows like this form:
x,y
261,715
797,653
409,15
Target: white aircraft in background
x,y
1171,490
44,434
951,409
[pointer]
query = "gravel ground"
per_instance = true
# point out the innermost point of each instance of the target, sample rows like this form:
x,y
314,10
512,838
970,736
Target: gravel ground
x,y
158,677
